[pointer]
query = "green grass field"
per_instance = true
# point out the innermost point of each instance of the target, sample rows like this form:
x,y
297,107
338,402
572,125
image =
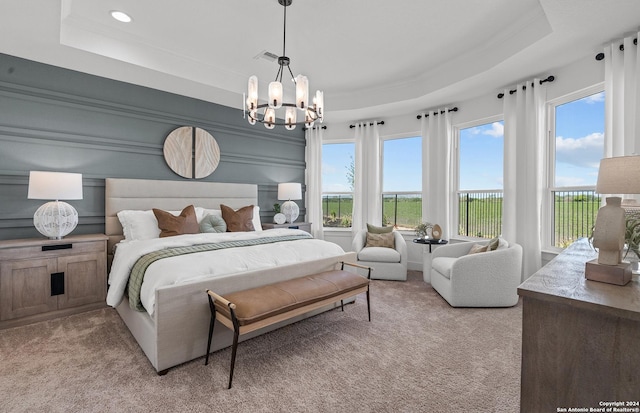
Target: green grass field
x,y
479,217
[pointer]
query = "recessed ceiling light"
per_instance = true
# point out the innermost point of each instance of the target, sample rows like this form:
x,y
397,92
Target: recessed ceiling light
x,y
121,16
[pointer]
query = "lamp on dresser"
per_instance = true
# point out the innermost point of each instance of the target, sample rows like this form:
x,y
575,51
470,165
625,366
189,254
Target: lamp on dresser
x,y
290,191
55,219
617,175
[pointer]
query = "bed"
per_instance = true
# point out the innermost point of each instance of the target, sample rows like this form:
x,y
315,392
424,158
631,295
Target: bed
x,y
176,330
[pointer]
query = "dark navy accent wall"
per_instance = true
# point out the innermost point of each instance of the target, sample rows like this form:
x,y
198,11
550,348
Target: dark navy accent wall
x,y
54,119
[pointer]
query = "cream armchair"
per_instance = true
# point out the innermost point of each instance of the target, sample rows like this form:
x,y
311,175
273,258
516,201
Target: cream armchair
x,y
387,263
485,279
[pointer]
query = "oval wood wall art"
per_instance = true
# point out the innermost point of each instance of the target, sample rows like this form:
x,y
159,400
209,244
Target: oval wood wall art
x,y
191,152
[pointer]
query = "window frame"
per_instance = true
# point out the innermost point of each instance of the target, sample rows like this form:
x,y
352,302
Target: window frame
x,y
383,139
548,219
334,142
455,206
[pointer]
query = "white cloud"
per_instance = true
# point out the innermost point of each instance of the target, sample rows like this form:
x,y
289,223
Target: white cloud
x,y
497,130
598,97
582,152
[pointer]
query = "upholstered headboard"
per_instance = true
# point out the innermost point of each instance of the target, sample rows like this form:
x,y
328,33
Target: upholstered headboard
x,y
145,194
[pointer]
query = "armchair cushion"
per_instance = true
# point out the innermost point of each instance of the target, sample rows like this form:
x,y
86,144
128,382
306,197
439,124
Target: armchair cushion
x,y
379,254
443,265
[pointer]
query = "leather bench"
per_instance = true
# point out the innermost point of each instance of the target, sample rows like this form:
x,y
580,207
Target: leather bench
x,y
248,310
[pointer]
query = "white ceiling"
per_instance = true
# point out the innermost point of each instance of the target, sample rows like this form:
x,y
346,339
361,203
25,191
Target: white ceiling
x,y
370,57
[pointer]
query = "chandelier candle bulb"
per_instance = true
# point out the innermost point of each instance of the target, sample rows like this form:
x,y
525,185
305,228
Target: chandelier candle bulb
x,y
290,118
302,91
252,97
275,95
269,118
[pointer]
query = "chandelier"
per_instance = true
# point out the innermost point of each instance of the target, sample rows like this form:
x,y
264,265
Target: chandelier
x,y
265,113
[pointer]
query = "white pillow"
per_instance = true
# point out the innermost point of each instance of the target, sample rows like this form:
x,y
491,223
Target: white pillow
x,y
257,225
137,225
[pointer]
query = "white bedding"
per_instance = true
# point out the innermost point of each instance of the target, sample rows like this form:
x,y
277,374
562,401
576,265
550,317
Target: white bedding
x,y
211,264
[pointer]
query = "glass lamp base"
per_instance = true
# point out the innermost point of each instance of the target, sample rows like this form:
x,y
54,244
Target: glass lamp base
x,y
55,219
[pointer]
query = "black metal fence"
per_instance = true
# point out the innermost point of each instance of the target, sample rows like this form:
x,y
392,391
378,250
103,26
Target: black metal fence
x,y
574,213
480,213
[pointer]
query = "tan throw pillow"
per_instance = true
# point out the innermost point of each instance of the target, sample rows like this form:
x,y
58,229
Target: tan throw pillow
x,y
476,248
379,230
381,240
171,225
238,221
493,244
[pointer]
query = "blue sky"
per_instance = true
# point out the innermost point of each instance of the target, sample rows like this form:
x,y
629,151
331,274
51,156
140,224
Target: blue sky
x,y
579,147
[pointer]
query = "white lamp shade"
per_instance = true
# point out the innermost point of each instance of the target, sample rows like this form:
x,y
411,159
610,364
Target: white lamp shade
x,y
54,185
302,91
619,175
289,190
275,95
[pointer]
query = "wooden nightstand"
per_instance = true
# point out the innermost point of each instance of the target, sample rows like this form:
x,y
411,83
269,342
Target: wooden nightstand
x,y
305,226
42,279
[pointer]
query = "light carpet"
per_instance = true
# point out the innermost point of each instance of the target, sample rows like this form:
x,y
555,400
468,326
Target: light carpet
x,y
417,355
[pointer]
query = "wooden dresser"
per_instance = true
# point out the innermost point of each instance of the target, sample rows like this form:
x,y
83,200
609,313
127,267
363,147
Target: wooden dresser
x,y
580,338
42,278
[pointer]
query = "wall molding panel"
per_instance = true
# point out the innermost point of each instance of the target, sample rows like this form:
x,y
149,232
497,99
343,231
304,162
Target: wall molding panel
x,y
57,119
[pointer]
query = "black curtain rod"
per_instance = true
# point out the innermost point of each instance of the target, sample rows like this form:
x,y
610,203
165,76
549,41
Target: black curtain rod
x,y
370,124
455,109
600,55
316,127
511,92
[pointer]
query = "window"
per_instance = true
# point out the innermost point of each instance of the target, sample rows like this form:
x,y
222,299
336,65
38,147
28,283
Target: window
x,y
480,168
337,184
402,182
577,131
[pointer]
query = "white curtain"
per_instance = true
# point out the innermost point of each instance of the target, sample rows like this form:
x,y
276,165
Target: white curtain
x,y
437,189
524,142
622,104
367,195
313,181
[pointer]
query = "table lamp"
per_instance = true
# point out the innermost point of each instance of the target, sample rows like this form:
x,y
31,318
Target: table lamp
x,y
618,175
290,191
55,219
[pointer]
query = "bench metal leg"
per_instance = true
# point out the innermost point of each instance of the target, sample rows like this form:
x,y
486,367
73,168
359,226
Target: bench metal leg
x,y
234,348
368,305
211,325
342,305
